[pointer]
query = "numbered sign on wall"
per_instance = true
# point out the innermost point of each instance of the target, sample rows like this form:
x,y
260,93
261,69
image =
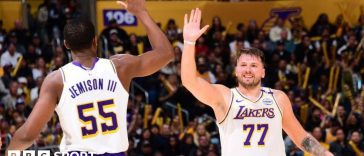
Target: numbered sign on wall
x,y
122,17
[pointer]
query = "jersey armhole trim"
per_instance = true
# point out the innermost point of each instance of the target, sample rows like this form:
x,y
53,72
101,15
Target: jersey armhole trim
x,y
63,75
227,113
275,101
113,66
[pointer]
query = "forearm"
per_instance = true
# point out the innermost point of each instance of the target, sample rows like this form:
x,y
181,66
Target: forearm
x,y
20,141
312,146
188,65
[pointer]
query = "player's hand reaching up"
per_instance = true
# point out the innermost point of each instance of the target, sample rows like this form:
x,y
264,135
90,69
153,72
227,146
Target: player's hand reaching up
x,y
133,6
191,28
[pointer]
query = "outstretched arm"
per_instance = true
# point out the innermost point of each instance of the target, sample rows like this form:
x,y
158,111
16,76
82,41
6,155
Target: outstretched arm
x,y
152,61
41,113
294,129
215,96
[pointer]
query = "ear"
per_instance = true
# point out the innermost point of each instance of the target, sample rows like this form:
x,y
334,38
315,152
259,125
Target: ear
x,y
263,75
65,44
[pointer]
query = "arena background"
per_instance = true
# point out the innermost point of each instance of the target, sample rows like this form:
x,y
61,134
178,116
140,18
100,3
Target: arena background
x,y
326,90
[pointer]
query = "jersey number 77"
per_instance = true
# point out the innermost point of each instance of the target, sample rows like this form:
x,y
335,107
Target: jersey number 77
x,y
251,128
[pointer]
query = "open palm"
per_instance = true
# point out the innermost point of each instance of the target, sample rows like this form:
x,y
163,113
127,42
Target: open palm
x,y
191,28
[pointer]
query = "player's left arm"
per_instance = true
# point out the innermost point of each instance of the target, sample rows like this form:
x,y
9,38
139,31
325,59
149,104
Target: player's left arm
x,y
294,129
41,113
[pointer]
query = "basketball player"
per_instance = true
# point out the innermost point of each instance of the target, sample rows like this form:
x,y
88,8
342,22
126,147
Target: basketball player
x,y
250,117
90,94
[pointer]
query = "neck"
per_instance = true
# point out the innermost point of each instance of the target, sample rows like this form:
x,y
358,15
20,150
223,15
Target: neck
x,y
252,93
85,57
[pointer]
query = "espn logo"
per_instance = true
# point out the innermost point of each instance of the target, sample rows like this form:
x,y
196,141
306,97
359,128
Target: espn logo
x,y
46,153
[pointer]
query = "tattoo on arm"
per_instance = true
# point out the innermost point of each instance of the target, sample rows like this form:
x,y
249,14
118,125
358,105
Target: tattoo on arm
x,y
312,146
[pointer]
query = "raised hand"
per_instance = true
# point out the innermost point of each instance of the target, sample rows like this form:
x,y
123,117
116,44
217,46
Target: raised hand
x,y
191,28
133,6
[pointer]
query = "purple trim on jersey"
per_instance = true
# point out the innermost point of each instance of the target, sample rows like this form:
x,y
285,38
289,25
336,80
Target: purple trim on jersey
x,y
80,65
105,154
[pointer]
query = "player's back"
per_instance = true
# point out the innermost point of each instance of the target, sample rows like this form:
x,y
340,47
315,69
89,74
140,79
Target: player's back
x,y
92,109
252,127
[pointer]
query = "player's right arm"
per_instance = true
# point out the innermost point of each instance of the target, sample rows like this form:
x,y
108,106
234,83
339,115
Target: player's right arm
x,y
42,112
216,96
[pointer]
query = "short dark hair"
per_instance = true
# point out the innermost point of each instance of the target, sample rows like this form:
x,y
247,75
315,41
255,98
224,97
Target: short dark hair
x,y
251,51
79,34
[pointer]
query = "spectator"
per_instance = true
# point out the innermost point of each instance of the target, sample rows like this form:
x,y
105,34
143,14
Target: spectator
x,y
359,29
204,71
34,93
321,23
188,145
172,31
252,30
314,120
201,47
115,45
216,26
304,51
10,57
10,99
40,68
174,146
349,47
133,47
298,29
276,30
340,146
355,143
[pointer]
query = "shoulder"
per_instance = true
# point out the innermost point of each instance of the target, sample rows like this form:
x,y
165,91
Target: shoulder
x,y
222,89
53,84
125,63
278,93
121,59
54,79
281,97
226,92
54,74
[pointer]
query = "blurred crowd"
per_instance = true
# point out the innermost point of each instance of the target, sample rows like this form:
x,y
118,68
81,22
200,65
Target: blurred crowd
x,y
319,67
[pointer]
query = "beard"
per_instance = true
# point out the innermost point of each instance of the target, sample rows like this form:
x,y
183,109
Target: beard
x,y
249,85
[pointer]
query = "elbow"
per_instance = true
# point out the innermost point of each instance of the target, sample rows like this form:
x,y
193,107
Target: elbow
x,y
184,81
168,48
170,51
171,55
167,52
